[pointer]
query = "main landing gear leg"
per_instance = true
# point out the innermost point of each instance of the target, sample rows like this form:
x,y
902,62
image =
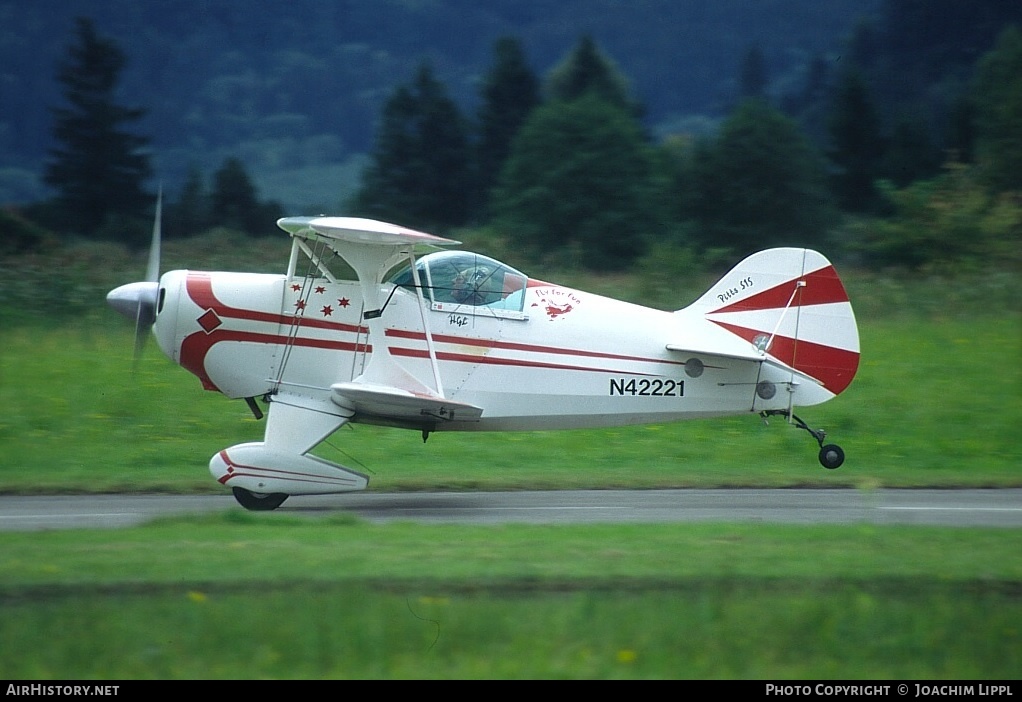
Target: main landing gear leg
x,y
831,455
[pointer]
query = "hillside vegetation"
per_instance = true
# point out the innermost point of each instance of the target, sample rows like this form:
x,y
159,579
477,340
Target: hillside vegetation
x,y
294,87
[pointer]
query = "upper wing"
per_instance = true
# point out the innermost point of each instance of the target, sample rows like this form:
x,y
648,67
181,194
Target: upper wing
x,y
359,230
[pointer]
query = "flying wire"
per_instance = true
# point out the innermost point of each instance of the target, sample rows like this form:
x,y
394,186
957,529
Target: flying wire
x,y
299,312
347,455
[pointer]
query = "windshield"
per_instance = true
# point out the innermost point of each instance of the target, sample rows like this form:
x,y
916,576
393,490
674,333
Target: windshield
x,y
456,278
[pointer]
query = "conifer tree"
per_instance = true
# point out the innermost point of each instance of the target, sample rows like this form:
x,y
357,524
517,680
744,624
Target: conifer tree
x,y
998,98
579,185
510,92
419,171
190,214
99,167
753,78
588,70
758,184
857,144
233,197
234,201
910,154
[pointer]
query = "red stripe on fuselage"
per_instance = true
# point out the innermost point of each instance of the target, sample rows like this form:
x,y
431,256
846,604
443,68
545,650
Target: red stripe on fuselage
x,y
195,347
529,348
513,362
200,290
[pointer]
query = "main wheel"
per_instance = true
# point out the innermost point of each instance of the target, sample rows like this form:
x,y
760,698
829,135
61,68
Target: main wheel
x,y
831,456
258,501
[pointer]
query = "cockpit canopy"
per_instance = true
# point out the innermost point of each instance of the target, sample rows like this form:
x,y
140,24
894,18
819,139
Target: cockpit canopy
x,y
456,279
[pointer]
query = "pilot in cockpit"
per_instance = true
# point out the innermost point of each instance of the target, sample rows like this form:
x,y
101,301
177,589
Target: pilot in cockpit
x,y
466,279
470,286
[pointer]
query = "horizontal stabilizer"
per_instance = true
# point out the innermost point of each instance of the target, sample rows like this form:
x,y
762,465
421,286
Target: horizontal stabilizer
x,y
395,403
750,354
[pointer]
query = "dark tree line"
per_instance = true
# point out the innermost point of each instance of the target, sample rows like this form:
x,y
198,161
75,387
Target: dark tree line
x,y
563,168
574,176
100,166
567,175
231,201
581,182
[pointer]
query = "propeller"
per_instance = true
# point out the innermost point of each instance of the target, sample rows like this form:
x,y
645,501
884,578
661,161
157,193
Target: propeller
x,y
138,301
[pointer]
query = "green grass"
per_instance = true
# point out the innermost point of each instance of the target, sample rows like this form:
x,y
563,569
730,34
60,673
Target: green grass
x,y
242,595
238,546
934,404
700,630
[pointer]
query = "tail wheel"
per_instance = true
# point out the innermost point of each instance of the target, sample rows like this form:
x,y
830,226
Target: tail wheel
x,y
831,456
258,501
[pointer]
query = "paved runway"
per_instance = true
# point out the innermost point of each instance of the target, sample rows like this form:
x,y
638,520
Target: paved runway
x,y
962,508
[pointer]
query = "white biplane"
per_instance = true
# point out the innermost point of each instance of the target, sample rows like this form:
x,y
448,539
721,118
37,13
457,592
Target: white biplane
x,y
456,341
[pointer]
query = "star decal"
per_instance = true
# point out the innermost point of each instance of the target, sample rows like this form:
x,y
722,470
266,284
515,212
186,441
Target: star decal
x,y
327,311
300,305
343,302
320,290
295,287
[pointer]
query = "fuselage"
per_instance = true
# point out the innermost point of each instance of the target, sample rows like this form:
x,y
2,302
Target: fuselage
x,y
551,358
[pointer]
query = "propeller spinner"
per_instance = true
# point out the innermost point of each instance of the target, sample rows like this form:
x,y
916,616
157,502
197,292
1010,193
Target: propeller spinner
x,y
137,301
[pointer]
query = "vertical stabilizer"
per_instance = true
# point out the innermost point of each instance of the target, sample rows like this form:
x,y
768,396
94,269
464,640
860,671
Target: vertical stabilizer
x,y
791,304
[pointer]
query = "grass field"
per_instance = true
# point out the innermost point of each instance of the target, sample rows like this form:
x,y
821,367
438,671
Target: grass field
x,y
240,595
934,404
243,595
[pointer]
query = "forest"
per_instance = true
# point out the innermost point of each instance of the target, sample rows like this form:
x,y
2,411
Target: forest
x,y
887,132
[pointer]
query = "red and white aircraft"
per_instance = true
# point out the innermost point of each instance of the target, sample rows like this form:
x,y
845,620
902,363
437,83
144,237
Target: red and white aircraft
x,y
456,341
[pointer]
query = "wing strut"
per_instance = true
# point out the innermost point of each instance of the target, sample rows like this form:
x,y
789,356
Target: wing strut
x,y
385,388
425,325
